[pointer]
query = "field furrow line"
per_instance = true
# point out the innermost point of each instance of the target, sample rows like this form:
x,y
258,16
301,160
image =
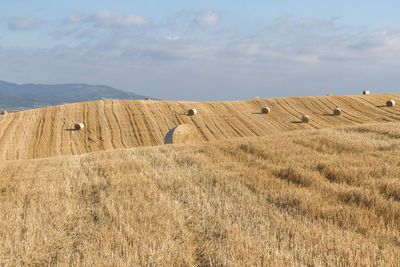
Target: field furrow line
x,y
158,127
359,109
220,121
347,110
104,118
317,110
383,109
6,125
233,120
135,126
344,111
39,133
29,123
217,120
147,128
118,125
302,112
249,120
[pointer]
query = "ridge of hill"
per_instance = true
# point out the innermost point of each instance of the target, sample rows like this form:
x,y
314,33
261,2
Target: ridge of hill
x,y
28,96
326,197
114,124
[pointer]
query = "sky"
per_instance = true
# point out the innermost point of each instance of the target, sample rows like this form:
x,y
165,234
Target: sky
x,y
204,50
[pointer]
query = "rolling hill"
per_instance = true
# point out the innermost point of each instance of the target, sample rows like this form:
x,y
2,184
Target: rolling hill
x,y
264,190
326,197
116,124
28,96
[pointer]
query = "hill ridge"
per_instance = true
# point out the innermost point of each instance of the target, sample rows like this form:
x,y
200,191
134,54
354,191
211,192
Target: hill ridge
x,y
114,124
31,95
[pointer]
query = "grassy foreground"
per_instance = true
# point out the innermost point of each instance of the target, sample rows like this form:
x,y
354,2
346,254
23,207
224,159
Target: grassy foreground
x,y
310,197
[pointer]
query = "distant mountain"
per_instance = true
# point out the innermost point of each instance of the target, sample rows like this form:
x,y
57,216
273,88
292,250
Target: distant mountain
x,y
27,96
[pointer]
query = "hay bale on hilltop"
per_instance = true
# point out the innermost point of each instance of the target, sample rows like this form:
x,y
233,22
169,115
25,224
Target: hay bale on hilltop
x,y
305,119
256,98
79,126
366,92
182,134
265,110
390,103
337,111
192,112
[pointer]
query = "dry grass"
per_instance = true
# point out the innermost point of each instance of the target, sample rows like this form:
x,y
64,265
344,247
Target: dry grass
x,y
321,197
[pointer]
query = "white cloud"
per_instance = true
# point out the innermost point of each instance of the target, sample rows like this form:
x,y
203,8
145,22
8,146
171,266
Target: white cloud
x,y
288,57
74,18
23,23
108,18
208,18
172,38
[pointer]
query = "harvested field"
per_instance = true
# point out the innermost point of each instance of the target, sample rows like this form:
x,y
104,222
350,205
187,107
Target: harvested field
x,y
325,197
115,124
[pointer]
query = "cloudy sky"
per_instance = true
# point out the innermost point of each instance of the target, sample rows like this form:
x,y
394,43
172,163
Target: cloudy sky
x,y
204,50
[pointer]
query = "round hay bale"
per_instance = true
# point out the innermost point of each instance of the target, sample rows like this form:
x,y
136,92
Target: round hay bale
x,y
337,111
182,134
256,98
366,92
192,112
390,103
79,126
265,110
305,119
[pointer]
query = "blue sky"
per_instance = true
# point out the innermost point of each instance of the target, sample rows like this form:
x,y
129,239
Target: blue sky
x,y
204,50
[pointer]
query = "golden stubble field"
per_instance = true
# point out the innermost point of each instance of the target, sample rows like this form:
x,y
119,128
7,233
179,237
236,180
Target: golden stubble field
x,y
312,197
116,124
